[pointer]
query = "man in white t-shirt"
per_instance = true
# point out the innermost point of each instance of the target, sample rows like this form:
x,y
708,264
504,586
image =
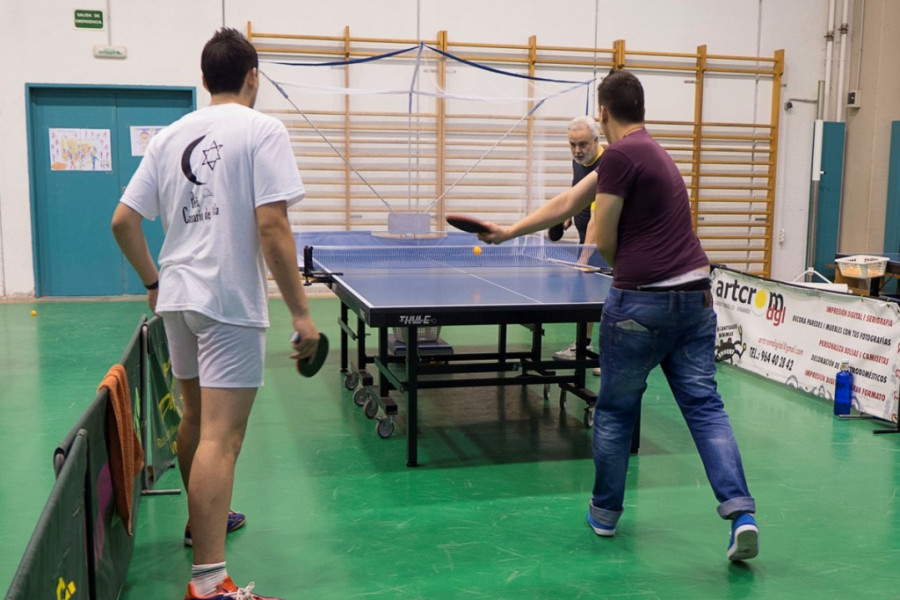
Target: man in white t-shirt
x,y
220,179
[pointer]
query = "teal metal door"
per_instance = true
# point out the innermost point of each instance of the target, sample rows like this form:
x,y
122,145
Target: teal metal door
x,y
84,146
829,210
892,212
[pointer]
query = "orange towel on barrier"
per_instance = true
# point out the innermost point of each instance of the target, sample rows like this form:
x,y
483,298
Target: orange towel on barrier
x,y
126,457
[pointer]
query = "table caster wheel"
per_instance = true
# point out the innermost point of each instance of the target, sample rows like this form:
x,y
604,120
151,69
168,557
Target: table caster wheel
x,y
589,417
370,408
385,428
351,380
360,396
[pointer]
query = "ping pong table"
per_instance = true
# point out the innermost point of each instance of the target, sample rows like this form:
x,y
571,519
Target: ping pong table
x,y
415,287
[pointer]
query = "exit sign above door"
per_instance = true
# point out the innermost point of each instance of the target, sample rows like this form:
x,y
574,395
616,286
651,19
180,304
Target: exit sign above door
x,y
88,19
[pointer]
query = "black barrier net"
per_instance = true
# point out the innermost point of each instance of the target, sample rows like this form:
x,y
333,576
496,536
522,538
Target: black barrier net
x,y
80,547
54,564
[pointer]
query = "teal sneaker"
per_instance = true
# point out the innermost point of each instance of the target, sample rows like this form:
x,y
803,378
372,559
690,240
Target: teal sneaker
x,y
744,542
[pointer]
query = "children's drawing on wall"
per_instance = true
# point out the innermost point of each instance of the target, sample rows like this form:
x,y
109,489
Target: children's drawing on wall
x,y
80,150
141,136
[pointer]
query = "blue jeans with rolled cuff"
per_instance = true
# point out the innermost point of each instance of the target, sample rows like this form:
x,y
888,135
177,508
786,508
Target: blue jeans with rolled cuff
x,y
677,331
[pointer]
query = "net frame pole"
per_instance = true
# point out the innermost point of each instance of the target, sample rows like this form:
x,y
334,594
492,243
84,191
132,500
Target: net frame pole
x,y
529,132
440,183
696,152
348,205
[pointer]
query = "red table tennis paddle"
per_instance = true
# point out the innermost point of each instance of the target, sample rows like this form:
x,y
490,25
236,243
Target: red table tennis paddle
x,y
310,366
467,224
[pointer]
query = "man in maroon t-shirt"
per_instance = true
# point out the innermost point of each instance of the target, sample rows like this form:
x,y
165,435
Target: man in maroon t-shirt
x,y
658,312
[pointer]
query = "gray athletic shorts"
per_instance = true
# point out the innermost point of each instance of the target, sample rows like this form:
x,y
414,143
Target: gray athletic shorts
x,y
220,354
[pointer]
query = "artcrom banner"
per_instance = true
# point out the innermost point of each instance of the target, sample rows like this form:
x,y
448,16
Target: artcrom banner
x,y
800,336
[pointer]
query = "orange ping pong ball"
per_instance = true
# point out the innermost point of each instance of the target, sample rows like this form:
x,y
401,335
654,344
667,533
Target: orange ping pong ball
x,y
476,249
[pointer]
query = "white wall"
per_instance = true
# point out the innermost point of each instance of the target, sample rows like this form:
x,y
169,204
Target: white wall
x,y
41,45
866,170
164,38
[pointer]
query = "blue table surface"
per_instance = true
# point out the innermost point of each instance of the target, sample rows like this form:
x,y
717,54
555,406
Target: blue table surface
x,y
485,287
448,273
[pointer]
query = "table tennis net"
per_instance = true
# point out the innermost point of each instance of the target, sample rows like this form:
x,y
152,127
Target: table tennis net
x,y
335,258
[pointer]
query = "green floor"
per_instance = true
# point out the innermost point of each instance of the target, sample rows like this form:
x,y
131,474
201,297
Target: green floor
x,y
497,508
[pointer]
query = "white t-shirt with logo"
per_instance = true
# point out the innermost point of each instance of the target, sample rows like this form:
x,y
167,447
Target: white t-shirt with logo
x,y
204,176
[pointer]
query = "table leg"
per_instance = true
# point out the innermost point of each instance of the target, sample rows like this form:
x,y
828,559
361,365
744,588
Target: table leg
x,y
345,315
636,434
412,396
580,354
361,357
384,385
875,286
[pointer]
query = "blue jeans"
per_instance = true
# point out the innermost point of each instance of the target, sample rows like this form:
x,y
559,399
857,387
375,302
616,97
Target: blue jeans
x,y
676,330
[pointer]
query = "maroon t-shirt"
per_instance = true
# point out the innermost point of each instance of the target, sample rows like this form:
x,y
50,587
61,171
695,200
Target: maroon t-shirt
x,y
656,240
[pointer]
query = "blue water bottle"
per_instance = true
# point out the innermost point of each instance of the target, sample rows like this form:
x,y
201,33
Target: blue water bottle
x,y
843,391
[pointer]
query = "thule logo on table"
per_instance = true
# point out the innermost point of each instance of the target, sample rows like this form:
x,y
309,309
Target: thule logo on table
x,y
417,320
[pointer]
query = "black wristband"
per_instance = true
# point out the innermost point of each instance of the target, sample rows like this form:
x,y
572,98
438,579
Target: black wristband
x,y
152,286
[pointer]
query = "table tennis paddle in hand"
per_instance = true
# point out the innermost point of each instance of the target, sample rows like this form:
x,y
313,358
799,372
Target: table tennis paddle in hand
x,y
556,232
310,366
467,224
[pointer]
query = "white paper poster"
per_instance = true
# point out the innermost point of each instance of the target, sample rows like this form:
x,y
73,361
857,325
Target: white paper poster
x,y
80,150
800,336
141,136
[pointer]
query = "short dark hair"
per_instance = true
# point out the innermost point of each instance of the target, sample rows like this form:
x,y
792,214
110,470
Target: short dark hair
x,y
226,59
623,96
